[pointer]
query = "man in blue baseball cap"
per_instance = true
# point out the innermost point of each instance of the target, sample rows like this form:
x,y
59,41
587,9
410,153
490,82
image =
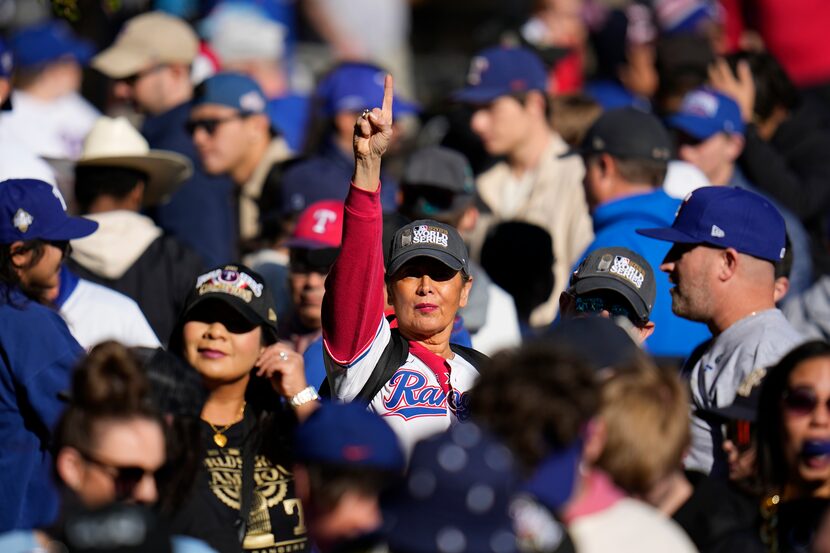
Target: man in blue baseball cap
x,y
709,134
38,350
506,87
50,117
233,135
726,242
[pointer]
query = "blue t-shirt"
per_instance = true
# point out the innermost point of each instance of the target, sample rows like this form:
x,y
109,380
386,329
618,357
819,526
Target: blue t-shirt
x,y
38,356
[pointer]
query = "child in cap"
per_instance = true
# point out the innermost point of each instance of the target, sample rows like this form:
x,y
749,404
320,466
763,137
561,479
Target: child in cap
x,y
38,350
243,494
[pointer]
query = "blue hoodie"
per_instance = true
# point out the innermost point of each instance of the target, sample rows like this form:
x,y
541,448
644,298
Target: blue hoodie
x,y
38,355
614,225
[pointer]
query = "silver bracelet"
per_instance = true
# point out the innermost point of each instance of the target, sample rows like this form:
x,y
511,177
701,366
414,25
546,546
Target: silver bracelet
x,y
304,396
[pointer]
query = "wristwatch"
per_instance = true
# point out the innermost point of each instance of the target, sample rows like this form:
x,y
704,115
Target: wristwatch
x,y
304,396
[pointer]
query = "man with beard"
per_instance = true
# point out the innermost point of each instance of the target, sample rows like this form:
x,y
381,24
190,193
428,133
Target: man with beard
x,y
722,264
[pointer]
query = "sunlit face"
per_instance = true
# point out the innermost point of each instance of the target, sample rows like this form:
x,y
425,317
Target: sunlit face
x,y
691,269
221,344
426,295
41,279
713,156
122,465
806,424
226,147
147,90
502,125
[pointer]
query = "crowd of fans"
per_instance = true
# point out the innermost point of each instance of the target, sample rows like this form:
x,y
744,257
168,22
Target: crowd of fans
x,y
281,276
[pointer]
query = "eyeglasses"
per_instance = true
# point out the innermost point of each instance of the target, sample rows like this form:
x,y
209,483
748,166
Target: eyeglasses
x,y
740,433
598,304
801,401
130,80
210,124
124,479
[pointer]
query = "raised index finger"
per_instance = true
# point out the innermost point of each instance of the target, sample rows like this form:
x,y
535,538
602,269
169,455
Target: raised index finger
x,y
388,89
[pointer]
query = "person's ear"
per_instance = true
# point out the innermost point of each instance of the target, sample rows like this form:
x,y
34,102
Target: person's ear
x,y
730,259
259,123
607,165
735,145
70,467
596,435
645,331
21,257
566,302
535,102
465,292
468,219
782,286
136,196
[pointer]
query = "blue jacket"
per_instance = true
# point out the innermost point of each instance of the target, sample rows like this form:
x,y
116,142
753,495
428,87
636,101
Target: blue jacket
x,y
201,212
37,354
614,225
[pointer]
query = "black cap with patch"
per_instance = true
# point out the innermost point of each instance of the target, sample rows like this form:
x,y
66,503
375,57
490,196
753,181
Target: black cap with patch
x,y
428,238
628,133
242,289
620,270
436,181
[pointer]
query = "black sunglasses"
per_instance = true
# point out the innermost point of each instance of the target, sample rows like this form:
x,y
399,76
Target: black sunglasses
x,y
124,479
592,304
801,401
210,124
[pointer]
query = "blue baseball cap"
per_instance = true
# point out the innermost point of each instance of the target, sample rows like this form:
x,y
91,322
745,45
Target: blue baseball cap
x,y
502,71
31,209
354,87
554,480
346,434
727,217
456,497
47,42
705,112
234,90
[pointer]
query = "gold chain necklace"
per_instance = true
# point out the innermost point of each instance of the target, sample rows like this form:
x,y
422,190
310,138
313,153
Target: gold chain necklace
x,y
219,437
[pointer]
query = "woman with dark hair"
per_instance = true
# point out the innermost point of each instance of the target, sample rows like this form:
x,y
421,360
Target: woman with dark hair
x,y
794,446
38,351
243,494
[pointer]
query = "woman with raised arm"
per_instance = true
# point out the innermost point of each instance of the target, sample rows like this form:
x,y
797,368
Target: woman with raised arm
x,y
405,370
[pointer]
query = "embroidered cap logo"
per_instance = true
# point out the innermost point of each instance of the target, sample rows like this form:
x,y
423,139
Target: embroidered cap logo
x,y
22,220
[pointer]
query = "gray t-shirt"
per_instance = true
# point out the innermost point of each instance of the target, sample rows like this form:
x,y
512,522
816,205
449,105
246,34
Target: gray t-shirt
x,y
759,340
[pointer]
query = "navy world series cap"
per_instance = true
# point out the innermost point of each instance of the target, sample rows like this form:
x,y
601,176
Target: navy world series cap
x,y
502,71
727,217
32,209
346,434
428,238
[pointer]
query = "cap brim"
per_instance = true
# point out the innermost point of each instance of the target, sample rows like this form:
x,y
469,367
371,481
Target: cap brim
x,y
71,229
697,127
166,171
237,304
592,283
118,62
553,481
478,95
444,257
733,413
668,234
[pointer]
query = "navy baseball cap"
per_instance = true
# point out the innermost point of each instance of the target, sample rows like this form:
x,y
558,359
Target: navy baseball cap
x,y
428,238
553,481
353,87
48,42
727,217
32,209
456,497
234,90
705,112
502,71
346,434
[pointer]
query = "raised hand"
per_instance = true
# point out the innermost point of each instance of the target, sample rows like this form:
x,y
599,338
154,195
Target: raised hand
x,y
373,132
740,87
284,367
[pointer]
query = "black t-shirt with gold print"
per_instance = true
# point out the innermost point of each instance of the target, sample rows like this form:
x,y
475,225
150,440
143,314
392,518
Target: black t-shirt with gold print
x,y
275,521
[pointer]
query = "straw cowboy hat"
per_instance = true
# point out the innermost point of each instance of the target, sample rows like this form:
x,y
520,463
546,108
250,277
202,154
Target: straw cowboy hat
x,y
114,142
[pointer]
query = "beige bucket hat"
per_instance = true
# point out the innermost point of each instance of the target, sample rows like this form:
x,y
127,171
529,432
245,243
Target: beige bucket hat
x,y
148,39
114,142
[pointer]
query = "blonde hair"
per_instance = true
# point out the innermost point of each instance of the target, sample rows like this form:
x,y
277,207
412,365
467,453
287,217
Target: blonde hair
x,y
645,410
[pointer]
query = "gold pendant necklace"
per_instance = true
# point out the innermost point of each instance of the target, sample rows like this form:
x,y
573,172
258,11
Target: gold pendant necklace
x,y
219,437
